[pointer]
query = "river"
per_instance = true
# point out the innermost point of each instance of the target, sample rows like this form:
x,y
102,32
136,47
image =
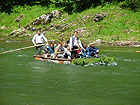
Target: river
x,y
25,81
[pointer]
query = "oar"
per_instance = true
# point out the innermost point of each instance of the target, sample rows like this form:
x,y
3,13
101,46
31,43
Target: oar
x,y
19,49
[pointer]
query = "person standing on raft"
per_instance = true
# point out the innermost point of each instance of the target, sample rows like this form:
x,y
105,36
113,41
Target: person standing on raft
x,y
38,42
75,44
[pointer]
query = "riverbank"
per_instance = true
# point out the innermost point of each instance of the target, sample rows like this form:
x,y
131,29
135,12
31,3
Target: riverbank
x,y
108,25
96,43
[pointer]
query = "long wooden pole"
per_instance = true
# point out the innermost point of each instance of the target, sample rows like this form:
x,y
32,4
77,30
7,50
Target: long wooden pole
x,y
23,48
19,49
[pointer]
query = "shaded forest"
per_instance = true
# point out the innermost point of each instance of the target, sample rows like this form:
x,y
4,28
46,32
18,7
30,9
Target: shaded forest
x,y
69,6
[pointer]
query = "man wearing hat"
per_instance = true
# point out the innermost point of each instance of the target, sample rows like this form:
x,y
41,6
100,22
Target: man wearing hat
x,y
92,51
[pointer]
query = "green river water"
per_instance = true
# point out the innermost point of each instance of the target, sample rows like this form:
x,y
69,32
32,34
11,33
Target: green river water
x,y
25,81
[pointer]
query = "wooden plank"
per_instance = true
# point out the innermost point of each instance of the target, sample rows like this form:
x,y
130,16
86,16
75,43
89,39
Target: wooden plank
x,y
61,59
36,58
61,62
58,60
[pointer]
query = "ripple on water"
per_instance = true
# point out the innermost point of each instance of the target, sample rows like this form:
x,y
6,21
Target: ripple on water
x,y
23,94
103,64
20,64
128,60
22,55
118,73
39,69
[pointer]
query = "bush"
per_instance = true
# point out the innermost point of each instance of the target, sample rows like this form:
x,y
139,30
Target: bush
x,y
68,5
133,5
88,61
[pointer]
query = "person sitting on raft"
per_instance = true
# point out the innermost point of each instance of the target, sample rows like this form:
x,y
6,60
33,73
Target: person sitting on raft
x,y
75,44
51,48
65,49
84,53
38,42
92,51
57,50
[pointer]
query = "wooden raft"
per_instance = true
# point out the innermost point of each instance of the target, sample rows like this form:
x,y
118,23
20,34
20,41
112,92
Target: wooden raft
x,y
55,60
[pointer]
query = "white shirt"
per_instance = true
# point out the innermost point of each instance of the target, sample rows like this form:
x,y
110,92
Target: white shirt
x,y
39,39
75,42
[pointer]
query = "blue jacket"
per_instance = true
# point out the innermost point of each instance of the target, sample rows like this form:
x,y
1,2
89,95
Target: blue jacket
x,y
85,52
92,51
51,50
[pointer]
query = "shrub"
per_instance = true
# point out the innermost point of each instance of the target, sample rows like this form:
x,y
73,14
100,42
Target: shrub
x,y
88,61
133,5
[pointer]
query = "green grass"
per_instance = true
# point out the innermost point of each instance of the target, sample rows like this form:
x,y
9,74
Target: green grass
x,y
30,13
120,24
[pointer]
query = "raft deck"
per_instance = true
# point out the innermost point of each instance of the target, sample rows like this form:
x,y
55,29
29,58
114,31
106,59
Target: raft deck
x,y
55,60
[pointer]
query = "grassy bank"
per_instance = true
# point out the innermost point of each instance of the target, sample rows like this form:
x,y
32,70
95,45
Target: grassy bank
x,y
30,13
119,24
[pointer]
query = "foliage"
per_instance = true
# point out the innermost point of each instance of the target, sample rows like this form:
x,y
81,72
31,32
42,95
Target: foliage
x,y
132,5
119,24
68,5
74,5
8,5
93,60
20,9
